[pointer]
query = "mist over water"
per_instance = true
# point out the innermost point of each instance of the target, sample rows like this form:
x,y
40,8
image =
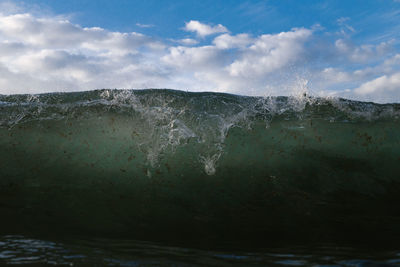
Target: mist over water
x,y
211,171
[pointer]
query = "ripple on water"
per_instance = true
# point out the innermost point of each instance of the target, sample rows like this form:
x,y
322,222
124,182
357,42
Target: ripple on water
x,y
18,250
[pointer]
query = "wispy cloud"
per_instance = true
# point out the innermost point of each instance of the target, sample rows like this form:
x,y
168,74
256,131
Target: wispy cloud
x,y
145,25
345,27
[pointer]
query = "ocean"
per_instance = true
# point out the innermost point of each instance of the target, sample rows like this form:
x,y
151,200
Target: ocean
x,y
165,177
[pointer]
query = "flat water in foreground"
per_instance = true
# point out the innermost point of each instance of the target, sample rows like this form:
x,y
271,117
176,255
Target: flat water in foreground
x,y
22,250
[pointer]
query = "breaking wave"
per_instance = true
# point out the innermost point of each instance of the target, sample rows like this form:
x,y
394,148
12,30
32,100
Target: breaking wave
x,y
140,161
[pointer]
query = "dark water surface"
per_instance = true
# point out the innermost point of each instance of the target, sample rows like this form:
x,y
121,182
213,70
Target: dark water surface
x,y
108,252
245,180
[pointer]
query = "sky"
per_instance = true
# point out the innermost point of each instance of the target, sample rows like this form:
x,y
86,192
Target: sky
x,y
333,48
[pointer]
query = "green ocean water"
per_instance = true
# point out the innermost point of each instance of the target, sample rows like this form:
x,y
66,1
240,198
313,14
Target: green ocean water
x,y
200,170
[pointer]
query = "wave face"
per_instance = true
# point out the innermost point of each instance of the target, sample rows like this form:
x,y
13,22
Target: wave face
x,y
164,164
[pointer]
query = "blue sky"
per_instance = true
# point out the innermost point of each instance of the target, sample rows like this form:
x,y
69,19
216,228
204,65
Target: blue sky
x,y
371,18
254,17
330,48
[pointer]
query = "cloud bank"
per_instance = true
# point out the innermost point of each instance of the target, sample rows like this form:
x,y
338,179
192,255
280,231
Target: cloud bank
x,y
47,54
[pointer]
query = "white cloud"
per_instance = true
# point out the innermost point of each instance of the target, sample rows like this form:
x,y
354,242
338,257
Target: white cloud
x,y
188,41
197,58
382,89
227,41
52,54
362,53
52,33
203,30
239,63
270,52
333,75
43,54
8,7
